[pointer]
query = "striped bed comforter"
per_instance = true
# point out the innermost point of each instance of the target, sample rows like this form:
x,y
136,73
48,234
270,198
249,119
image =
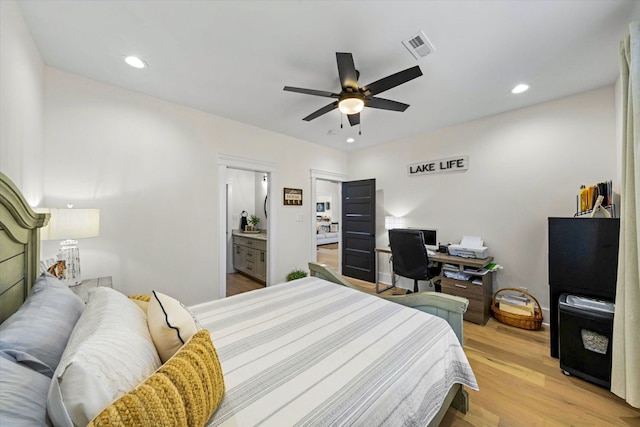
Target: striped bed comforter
x,y
314,353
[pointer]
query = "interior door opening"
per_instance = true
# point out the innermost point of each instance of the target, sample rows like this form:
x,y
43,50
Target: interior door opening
x,y
325,212
264,178
247,230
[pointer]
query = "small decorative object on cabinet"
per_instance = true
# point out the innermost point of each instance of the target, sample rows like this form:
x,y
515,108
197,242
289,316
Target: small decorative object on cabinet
x,y
254,221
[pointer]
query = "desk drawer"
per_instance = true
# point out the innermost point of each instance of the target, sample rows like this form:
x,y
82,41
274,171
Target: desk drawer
x,y
461,288
477,312
478,309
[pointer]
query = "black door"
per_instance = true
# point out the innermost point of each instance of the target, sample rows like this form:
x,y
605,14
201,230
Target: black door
x,y
359,229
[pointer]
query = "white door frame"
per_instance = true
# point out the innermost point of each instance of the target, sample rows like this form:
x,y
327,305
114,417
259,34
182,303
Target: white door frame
x,y
224,163
327,176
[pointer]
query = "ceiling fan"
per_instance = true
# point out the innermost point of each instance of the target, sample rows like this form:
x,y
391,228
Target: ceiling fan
x,y
352,99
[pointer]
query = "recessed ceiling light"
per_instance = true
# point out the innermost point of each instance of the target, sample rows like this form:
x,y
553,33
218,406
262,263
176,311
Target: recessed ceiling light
x,y
350,140
520,88
135,62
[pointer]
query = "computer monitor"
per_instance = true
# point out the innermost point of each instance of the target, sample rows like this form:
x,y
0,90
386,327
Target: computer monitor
x,y
430,237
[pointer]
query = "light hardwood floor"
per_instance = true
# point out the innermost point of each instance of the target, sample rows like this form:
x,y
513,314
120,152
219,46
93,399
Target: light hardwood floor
x,y
520,384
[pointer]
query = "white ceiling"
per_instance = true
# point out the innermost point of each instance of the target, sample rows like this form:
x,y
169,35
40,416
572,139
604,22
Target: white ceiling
x,y
232,58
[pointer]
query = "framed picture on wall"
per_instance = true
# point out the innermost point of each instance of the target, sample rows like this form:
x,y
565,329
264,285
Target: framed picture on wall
x,y
327,206
292,196
320,207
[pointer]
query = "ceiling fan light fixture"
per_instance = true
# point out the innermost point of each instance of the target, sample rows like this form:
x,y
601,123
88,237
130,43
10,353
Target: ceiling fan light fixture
x,y
351,105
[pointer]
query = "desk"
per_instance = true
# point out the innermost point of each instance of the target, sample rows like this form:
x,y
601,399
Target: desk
x,y
479,296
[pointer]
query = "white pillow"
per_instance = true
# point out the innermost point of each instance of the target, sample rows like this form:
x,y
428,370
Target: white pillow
x,y
109,353
170,324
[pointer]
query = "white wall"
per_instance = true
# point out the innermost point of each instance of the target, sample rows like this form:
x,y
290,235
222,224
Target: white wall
x,y
151,167
21,89
243,194
524,166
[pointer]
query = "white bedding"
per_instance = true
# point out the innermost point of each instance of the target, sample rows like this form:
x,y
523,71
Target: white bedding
x,y
311,352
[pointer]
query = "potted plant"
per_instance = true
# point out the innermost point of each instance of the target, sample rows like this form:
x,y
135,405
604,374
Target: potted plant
x,y
254,221
296,274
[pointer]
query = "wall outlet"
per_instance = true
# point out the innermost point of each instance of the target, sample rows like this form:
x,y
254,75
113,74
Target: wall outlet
x,y
299,218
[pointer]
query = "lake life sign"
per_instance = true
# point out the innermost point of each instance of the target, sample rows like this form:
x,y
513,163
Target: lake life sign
x,y
452,164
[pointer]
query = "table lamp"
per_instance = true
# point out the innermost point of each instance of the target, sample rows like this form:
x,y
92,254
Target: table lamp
x,y
391,222
68,225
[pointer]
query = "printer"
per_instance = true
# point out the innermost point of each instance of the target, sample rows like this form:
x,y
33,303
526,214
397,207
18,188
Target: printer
x,y
469,247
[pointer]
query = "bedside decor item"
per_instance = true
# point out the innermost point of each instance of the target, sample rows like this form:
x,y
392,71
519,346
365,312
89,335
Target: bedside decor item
x,y
68,224
518,320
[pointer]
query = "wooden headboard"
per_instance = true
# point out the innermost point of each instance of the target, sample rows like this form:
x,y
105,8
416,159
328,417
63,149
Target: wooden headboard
x,y
19,247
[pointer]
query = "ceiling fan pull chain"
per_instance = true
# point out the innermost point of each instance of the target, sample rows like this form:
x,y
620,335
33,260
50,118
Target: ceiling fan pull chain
x,y
341,118
360,128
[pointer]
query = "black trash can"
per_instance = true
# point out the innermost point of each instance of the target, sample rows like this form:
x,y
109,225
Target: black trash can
x,y
585,335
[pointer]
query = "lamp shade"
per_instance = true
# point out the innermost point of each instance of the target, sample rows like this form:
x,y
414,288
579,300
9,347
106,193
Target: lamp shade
x,y
71,224
391,222
351,105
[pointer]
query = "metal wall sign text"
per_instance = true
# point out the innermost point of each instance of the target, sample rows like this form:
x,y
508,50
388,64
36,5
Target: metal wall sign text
x,y
451,164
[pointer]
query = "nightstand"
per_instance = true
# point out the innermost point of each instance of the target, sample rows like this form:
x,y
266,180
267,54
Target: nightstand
x,y
82,289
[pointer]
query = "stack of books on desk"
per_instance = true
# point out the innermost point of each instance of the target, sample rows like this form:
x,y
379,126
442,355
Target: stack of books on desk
x,y
517,305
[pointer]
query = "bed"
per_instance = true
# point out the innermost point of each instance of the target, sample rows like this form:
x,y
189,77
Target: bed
x,y
314,351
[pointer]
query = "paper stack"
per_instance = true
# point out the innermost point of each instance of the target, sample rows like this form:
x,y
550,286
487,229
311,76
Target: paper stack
x,y
517,305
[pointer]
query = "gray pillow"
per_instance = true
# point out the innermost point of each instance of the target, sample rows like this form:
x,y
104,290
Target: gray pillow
x,y
23,395
37,334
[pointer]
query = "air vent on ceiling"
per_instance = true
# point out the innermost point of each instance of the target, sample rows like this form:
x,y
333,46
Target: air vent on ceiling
x,y
419,45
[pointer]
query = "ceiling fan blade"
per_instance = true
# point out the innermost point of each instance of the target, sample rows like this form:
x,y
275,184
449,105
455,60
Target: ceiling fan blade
x,y
354,119
323,110
312,92
386,104
347,71
391,81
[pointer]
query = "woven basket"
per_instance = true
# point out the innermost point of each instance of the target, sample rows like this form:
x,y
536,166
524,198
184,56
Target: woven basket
x,y
518,320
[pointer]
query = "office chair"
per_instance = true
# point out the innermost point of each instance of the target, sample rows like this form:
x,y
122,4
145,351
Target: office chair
x,y
409,255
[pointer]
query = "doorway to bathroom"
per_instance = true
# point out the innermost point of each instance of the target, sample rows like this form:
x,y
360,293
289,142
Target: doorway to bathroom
x,y
247,256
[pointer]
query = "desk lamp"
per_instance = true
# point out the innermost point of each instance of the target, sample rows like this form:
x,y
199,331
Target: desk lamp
x,y
68,225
